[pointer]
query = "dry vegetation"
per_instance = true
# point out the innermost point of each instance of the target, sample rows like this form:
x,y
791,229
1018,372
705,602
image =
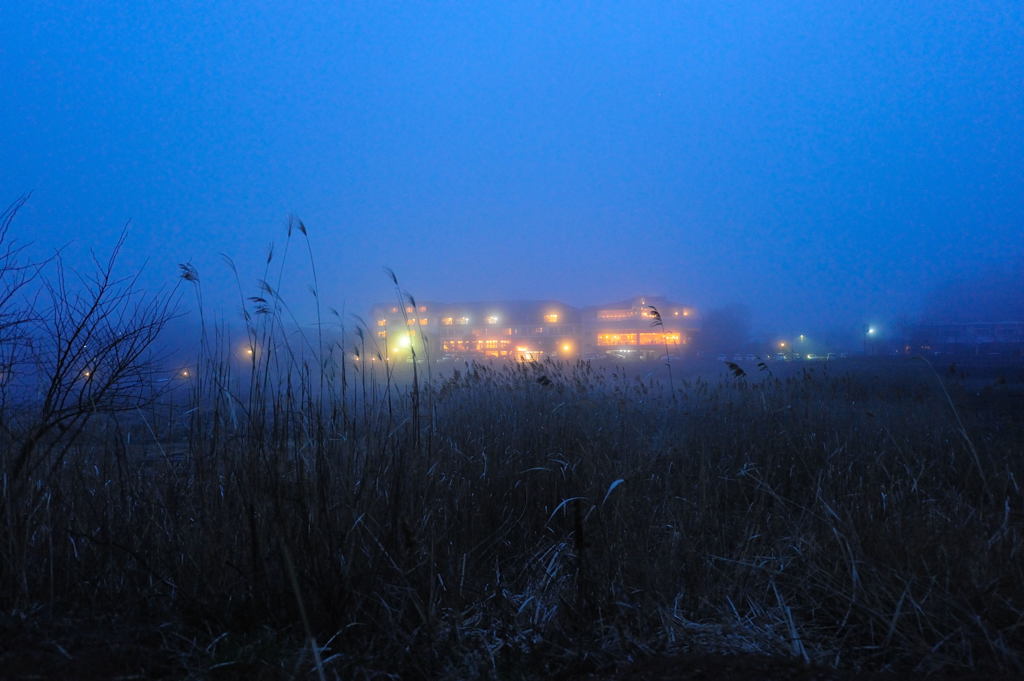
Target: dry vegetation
x,y
295,518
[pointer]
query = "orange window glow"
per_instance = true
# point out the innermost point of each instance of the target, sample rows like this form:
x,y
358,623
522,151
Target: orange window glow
x,y
616,339
669,338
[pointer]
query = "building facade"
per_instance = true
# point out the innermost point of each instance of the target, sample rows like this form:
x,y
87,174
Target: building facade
x,y
642,328
979,338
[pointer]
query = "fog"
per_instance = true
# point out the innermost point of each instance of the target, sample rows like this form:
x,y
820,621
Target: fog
x,y
799,168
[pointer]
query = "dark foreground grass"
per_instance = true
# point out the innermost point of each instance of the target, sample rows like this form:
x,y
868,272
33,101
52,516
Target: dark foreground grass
x,y
521,522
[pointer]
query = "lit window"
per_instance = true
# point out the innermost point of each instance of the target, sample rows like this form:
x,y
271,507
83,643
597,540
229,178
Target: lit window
x,y
551,317
394,309
424,321
447,321
410,321
492,344
614,314
669,338
423,308
382,322
463,321
410,309
616,339
493,319
382,334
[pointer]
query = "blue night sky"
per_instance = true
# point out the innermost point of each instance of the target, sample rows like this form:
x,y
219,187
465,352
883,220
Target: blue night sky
x,y
822,162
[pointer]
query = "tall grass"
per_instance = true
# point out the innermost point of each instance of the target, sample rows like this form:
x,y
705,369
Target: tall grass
x,y
516,521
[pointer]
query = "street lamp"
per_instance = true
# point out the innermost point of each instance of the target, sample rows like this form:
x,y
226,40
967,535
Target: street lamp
x,y
869,333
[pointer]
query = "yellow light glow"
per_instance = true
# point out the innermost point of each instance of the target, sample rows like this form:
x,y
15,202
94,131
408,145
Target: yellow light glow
x,y
184,373
566,347
616,339
447,321
87,374
403,342
382,322
463,321
551,317
669,338
492,319
423,321
782,344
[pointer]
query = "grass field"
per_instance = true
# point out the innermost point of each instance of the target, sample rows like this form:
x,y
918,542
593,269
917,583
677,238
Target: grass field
x,y
522,522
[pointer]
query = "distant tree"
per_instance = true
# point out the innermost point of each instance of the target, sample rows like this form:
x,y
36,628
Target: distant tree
x,y
83,342
15,275
725,329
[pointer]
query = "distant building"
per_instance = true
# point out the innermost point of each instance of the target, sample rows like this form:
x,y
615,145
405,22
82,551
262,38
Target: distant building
x,y
978,338
532,330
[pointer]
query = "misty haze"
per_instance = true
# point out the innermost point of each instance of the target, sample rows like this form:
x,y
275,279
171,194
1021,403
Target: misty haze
x,y
497,341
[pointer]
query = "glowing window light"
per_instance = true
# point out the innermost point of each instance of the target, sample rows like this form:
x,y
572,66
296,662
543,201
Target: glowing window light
x,y
424,321
410,309
492,319
463,321
423,308
668,338
382,322
382,334
566,347
616,339
614,314
447,321
551,317
185,373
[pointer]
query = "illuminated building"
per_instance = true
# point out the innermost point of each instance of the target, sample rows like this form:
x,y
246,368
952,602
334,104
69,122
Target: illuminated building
x,y
642,328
